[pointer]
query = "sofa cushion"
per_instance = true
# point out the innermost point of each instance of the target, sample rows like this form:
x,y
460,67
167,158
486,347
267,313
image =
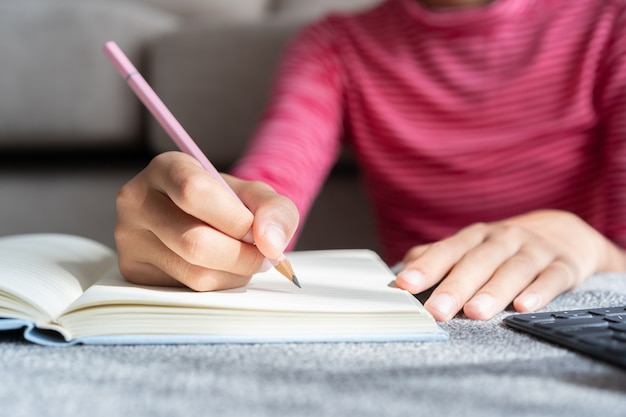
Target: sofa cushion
x,y
57,89
212,10
215,80
308,9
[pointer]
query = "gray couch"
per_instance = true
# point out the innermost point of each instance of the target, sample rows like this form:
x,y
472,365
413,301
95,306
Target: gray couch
x,y
71,132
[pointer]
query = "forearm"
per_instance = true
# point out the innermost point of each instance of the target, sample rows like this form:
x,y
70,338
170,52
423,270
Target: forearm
x,y
298,139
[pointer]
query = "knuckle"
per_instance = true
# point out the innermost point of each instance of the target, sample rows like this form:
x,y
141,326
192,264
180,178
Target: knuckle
x,y
211,280
567,216
471,235
161,159
439,245
128,268
200,282
414,253
523,263
121,233
239,223
184,272
253,265
165,160
189,188
262,186
565,273
479,227
191,276
475,229
125,267
253,189
126,197
192,246
509,233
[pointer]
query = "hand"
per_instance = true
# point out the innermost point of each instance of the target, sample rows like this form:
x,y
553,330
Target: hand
x,y
177,225
527,260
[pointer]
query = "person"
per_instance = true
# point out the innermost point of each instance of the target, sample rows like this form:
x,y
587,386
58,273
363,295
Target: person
x,y
491,136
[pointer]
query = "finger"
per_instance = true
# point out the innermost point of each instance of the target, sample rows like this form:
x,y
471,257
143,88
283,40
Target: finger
x,y
510,279
439,258
414,253
197,193
558,277
183,234
156,264
142,273
470,274
275,216
410,279
196,242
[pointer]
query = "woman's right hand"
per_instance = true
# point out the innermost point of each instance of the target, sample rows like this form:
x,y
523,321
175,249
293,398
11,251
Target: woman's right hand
x,y
177,225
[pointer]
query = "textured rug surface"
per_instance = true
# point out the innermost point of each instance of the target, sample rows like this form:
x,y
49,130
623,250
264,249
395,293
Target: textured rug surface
x,y
485,369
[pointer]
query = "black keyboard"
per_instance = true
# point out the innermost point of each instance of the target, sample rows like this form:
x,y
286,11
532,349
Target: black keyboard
x,y
599,332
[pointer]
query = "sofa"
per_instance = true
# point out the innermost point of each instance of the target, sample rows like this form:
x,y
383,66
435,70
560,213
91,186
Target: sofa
x,y
72,133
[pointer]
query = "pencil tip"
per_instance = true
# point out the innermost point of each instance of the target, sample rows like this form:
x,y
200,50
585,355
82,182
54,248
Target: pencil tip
x,y
295,281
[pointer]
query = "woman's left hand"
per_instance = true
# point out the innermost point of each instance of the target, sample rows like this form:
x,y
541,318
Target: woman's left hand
x,y
527,260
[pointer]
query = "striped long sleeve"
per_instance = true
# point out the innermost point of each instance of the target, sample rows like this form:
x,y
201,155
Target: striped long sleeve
x,y
456,117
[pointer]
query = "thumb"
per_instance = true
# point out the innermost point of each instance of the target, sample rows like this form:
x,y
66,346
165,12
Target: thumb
x,y
275,223
273,240
275,217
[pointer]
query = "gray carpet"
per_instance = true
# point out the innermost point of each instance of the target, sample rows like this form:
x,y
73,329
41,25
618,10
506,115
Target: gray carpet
x,y
485,369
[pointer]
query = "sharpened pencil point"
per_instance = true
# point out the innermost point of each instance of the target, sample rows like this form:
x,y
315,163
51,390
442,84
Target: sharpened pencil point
x,y
295,281
284,267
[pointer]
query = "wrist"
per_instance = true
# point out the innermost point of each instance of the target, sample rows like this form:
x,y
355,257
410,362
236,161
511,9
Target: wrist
x,y
614,259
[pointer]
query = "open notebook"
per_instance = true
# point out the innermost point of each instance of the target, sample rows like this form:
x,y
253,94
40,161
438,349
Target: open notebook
x,y
65,289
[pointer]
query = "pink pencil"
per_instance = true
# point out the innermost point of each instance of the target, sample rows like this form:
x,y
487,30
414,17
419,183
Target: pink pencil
x,y
176,132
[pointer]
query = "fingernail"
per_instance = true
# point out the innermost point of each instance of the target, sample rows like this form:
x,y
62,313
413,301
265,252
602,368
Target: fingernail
x,y
529,301
483,303
276,236
443,303
413,277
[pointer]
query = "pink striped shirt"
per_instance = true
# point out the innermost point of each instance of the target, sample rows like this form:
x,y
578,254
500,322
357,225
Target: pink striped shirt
x,y
456,117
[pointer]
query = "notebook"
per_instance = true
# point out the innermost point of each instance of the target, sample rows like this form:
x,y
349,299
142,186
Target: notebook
x,y
598,332
66,289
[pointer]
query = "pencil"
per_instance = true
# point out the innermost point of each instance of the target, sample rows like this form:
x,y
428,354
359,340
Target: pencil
x,y
178,134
